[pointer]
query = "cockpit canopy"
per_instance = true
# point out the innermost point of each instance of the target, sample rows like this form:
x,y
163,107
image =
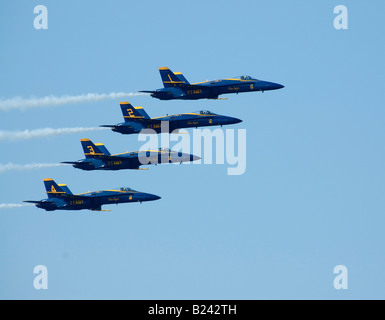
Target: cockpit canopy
x,y
245,78
126,189
165,149
206,112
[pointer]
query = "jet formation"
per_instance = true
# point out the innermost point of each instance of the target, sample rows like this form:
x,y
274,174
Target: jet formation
x,y
176,87
97,157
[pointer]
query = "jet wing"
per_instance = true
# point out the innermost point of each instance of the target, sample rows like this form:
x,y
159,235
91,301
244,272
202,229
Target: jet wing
x,y
99,209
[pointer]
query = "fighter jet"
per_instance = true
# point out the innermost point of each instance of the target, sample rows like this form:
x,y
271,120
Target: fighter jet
x,y
136,120
176,86
98,158
61,198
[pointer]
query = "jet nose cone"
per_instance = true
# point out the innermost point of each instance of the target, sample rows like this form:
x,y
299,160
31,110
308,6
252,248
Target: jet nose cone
x,y
153,197
194,158
235,120
274,86
280,86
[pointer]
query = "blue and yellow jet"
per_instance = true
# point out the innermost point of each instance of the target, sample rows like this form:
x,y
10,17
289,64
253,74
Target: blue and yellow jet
x,y
61,198
98,158
176,86
136,120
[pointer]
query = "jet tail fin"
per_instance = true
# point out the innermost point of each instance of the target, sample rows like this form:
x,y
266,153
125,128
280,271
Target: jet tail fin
x,y
182,78
102,148
170,79
92,150
131,113
55,190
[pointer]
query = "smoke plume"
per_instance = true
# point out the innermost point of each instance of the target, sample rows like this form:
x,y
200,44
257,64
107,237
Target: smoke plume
x,y
24,167
14,205
40,133
30,103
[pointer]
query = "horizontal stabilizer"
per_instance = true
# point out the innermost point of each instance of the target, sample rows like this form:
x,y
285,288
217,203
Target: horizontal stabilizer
x,y
34,202
144,91
69,162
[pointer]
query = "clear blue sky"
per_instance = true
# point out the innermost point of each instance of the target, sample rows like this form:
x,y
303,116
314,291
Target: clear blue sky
x,y
313,193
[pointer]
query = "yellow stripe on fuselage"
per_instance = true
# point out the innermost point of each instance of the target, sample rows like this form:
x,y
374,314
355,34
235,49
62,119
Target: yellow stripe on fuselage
x,y
182,114
134,117
216,81
120,154
119,191
179,82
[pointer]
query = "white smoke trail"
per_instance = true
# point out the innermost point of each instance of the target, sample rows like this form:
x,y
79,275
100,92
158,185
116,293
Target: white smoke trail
x,y
22,103
24,167
14,205
39,133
